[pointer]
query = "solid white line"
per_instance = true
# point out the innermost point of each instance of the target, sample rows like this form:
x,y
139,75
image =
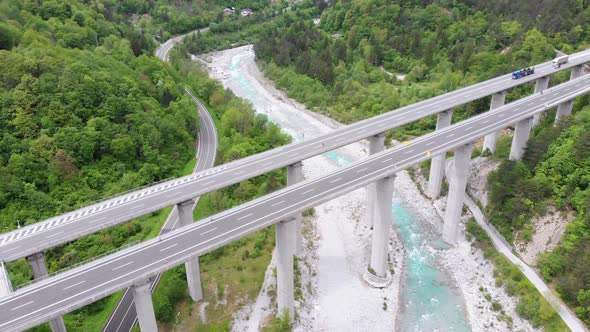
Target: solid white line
x,y
169,247
212,229
246,216
338,179
22,305
307,192
279,203
54,234
74,285
120,266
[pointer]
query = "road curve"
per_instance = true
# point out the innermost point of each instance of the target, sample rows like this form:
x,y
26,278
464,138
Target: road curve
x,y
164,49
124,317
77,287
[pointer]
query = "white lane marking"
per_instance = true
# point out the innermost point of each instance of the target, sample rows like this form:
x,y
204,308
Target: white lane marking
x,y
122,266
450,135
388,159
211,230
22,305
279,203
74,285
430,143
97,220
307,192
468,128
486,121
362,170
246,216
208,183
54,234
137,207
239,172
174,194
334,181
169,247
11,249
268,163
409,151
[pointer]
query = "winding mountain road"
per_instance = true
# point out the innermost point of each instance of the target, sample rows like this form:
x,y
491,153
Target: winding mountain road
x,y
124,317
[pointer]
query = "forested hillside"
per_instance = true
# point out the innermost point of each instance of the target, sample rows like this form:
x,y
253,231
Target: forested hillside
x,y
88,112
368,57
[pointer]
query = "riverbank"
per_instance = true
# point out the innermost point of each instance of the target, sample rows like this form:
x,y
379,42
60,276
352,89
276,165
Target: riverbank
x,y
339,299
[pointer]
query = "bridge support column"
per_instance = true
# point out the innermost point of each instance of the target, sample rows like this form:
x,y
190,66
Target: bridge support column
x,y
39,267
285,235
437,163
5,286
522,131
565,109
144,306
540,85
376,145
193,273
457,183
489,142
295,175
377,274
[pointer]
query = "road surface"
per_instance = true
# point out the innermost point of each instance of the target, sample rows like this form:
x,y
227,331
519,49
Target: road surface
x,y
125,317
566,315
58,230
77,287
164,49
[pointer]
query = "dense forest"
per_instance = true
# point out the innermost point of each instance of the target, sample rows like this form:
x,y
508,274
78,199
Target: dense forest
x,y
369,57
88,112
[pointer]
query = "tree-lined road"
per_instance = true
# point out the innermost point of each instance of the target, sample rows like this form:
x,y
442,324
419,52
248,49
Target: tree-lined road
x,y
55,231
73,289
124,317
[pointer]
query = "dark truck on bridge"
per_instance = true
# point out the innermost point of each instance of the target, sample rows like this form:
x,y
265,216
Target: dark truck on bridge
x,y
523,72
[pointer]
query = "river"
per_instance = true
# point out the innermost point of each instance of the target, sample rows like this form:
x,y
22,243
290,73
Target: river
x,y
429,301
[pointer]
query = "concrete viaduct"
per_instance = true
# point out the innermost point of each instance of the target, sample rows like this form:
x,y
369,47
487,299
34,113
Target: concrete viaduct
x,y
50,297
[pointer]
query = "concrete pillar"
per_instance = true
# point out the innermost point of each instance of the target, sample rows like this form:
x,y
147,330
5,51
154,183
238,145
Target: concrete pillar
x,y
522,131
489,142
376,145
193,273
378,274
295,175
144,307
564,109
39,267
438,162
5,286
540,85
457,183
285,282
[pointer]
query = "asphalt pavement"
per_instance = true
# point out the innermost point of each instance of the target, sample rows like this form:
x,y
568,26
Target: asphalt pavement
x,y
75,288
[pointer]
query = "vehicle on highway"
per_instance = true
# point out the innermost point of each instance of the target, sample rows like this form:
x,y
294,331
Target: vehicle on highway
x,y
560,60
523,72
